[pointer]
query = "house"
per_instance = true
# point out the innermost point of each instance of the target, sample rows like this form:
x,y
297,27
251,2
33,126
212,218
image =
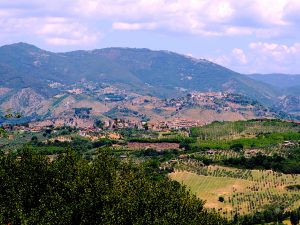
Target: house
x,y
288,144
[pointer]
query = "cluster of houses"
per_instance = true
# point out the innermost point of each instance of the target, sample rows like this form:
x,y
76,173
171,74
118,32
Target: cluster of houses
x,y
75,122
174,124
207,99
87,125
219,101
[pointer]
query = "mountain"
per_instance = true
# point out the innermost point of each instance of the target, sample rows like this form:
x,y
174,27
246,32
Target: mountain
x,y
134,84
164,69
158,73
283,81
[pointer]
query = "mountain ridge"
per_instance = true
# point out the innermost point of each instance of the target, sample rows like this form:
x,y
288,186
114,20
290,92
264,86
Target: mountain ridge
x,y
161,73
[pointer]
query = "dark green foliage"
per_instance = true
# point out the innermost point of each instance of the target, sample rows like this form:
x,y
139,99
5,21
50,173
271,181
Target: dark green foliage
x,y
294,218
271,213
3,132
99,123
71,190
79,145
221,199
177,139
34,139
293,187
146,127
237,147
163,155
103,142
289,165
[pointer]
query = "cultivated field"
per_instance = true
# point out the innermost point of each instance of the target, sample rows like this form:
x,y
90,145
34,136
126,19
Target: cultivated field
x,y
244,191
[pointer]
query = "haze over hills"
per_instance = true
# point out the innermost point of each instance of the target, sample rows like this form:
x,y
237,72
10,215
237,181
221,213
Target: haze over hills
x,y
36,82
289,86
278,80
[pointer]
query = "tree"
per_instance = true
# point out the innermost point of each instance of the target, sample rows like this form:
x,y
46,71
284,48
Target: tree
x,y
294,218
3,132
237,147
34,139
99,124
145,125
18,115
221,199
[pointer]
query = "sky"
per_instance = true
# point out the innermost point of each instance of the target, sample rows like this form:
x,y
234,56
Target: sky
x,y
248,36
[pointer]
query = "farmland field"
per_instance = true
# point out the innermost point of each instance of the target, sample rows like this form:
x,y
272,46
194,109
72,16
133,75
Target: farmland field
x,y
244,191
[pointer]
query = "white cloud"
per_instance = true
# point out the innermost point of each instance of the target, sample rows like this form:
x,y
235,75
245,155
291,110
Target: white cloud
x,y
52,22
62,31
13,25
240,56
133,26
263,57
200,17
263,18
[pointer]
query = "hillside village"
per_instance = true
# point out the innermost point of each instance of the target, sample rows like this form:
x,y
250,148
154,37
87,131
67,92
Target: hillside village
x,y
128,110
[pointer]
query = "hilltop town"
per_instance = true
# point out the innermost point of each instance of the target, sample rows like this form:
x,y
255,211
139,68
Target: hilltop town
x,y
92,107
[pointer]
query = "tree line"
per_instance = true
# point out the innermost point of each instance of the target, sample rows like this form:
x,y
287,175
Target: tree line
x,y
288,165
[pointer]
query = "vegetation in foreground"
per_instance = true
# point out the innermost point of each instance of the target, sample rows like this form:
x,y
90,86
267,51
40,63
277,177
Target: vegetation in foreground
x,y
246,171
70,190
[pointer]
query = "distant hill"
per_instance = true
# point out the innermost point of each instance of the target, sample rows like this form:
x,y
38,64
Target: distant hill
x,y
278,80
157,73
289,86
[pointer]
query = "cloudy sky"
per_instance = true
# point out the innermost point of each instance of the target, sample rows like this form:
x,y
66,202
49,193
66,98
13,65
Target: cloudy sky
x,y
248,36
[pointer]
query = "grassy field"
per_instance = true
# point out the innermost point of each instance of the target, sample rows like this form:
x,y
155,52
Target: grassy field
x,y
244,191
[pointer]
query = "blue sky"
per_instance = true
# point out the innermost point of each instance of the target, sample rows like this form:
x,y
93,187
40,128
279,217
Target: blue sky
x,y
248,36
